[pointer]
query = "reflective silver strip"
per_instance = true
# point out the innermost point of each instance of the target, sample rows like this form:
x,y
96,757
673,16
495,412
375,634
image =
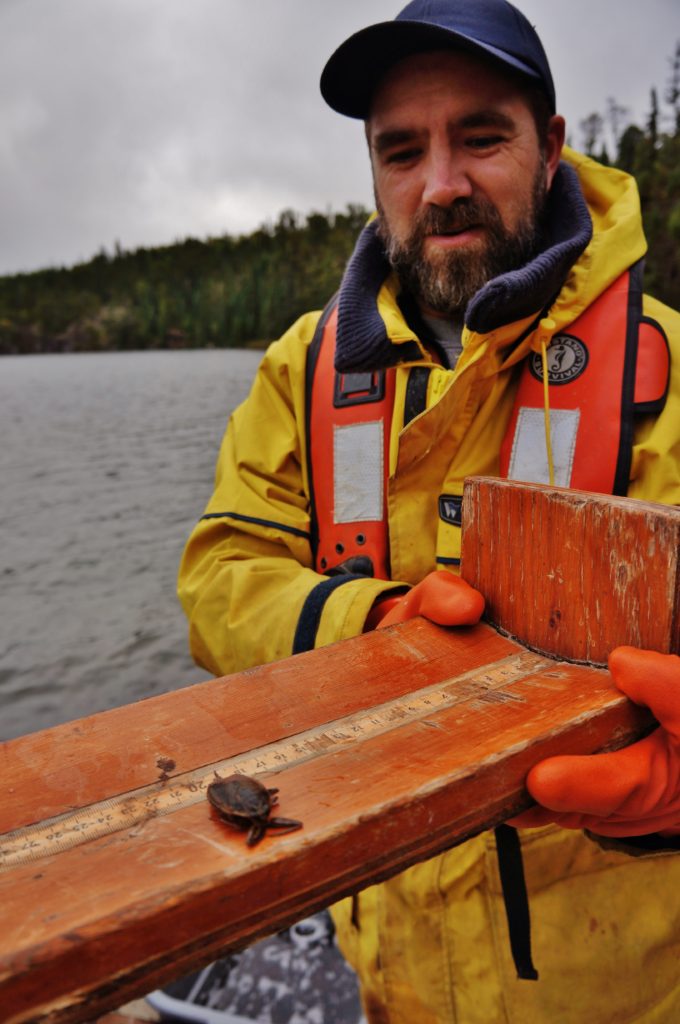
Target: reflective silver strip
x,y
529,458
358,472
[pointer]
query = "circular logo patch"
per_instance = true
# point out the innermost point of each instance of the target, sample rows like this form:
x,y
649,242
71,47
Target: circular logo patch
x,y
567,359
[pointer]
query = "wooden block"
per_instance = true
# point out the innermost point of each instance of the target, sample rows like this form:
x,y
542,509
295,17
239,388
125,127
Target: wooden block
x,y
116,875
570,573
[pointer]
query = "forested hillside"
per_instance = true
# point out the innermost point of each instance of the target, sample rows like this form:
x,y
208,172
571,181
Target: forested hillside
x,y
223,291
236,291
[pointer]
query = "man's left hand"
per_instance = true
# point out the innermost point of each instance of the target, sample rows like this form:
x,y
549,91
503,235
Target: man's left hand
x,y
630,792
440,597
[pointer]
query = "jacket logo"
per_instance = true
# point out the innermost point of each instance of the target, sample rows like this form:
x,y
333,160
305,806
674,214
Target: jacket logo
x,y
567,359
450,508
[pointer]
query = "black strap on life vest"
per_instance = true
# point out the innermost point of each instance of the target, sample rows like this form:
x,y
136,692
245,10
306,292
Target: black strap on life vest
x,y
516,900
645,377
622,474
310,369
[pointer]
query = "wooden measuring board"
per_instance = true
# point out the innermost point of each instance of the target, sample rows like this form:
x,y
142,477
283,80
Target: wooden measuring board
x,y
115,874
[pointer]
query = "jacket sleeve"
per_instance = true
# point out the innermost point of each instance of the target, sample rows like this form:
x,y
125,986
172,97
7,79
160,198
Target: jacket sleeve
x,y
246,580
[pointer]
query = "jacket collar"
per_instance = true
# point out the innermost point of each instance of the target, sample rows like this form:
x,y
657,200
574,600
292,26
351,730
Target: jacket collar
x,y
362,340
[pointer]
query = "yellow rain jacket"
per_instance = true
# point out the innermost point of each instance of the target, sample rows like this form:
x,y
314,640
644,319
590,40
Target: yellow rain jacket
x,y
431,945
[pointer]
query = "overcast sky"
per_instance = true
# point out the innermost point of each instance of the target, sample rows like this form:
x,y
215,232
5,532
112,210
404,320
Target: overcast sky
x,y
146,121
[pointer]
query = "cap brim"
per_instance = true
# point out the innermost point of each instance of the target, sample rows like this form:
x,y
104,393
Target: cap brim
x,y
352,73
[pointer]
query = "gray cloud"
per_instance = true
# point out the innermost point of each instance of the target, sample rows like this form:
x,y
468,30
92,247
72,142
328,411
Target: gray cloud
x,y
144,121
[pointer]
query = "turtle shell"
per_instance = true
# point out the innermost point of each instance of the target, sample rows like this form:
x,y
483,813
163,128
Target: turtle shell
x,y
240,795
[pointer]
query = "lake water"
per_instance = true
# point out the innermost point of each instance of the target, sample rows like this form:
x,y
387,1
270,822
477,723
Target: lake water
x,y
106,462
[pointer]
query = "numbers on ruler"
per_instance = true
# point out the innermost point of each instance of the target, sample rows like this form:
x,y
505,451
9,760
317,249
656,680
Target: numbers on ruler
x,y
150,802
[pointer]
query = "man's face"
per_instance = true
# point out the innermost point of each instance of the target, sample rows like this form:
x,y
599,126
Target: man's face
x,y
460,178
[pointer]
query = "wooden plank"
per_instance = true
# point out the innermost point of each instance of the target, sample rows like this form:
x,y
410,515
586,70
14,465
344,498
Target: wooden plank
x,y
570,573
115,874
140,904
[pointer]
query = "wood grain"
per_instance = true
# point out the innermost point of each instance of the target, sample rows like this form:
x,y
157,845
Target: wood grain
x,y
570,573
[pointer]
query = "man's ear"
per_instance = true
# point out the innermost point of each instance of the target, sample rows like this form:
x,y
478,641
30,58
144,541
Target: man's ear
x,y
553,148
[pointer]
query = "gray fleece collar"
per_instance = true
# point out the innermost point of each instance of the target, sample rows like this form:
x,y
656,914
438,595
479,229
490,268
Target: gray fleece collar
x,y
362,343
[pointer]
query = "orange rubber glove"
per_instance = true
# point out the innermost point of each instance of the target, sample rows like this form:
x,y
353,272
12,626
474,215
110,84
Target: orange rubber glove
x,y
630,792
441,597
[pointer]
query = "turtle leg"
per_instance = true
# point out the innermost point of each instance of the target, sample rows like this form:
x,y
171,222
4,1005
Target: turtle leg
x,y
257,830
286,824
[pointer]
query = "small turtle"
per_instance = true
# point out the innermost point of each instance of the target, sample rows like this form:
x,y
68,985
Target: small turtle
x,y
246,804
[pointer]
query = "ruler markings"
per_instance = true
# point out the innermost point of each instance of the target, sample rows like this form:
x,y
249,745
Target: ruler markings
x,y
128,810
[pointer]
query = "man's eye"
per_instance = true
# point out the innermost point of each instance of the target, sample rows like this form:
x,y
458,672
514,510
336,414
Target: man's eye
x,y
402,156
485,141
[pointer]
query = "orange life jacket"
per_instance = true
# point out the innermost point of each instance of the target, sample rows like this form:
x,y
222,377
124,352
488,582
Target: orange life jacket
x,y
610,366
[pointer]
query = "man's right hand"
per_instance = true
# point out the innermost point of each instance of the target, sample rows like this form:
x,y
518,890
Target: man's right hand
x,y
441,597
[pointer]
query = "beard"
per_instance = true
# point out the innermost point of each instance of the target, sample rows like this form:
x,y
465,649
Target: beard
x,y
446,281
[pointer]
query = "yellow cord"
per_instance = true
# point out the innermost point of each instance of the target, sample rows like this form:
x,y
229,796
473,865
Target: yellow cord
x,y
546,413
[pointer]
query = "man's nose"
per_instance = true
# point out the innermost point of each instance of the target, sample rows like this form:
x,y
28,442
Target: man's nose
x,y
446,179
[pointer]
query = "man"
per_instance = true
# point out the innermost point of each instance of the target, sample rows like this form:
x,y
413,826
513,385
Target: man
x,y
497,258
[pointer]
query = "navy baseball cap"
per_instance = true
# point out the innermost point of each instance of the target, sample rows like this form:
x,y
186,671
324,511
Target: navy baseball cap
x,y
491,28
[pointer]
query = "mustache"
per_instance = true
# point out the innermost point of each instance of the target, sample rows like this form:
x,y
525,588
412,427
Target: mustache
x,y
462,214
